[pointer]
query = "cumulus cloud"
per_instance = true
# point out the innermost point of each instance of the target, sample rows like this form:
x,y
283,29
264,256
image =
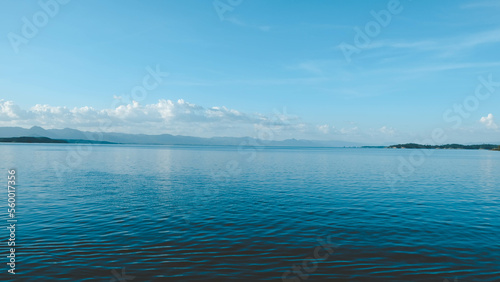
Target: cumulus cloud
x,y
165,116
179,118
489,121
9,111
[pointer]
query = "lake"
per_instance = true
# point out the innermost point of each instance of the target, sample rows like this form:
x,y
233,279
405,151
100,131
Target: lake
x,y
179,213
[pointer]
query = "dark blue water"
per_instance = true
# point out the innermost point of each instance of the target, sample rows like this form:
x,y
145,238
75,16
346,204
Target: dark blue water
x,y
159,213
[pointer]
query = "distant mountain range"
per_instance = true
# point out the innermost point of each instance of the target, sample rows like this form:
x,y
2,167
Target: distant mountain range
x,y
28,139
77,136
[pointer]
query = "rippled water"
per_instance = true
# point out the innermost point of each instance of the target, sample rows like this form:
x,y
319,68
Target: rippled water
x,y
160,213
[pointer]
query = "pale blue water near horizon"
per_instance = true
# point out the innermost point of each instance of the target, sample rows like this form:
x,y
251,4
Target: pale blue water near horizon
x,y
174,213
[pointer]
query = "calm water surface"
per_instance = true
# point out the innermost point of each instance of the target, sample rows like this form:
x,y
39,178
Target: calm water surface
x,y
160,213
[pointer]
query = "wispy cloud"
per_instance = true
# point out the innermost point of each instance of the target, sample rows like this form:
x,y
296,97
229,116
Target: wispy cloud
x,y
325,128
312,67
329,26
473,40
387,130
447,66
444,45
256,81
241,23
481,4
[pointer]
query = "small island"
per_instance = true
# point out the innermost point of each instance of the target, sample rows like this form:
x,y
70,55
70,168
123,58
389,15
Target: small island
x,y
447,146
26,139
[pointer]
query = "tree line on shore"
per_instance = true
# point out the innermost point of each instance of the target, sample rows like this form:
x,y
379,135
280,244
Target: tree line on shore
x,y
447,146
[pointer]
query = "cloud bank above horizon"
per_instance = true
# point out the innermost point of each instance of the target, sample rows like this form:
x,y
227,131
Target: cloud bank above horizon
x,y
181,118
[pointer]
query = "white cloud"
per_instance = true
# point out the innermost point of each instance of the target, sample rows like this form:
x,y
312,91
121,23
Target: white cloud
x,y
9,111
183,118
165,116
446,46
387,130
349,130
325,128
489,121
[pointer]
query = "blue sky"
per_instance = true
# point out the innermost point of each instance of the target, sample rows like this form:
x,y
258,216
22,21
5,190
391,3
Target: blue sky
x,y
234,70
